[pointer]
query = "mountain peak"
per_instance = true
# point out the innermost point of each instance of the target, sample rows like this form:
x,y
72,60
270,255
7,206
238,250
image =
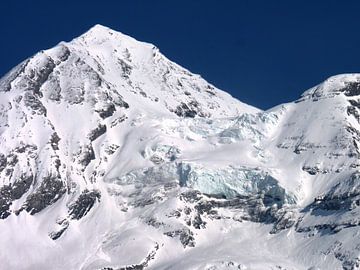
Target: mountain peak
x,y
101,30
100,27
102,35
121,70
348,84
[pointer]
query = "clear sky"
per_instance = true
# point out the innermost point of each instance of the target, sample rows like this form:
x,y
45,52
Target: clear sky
x,y
262,52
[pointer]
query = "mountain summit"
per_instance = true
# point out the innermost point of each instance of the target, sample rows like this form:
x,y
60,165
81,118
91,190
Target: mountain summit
x,y
114,157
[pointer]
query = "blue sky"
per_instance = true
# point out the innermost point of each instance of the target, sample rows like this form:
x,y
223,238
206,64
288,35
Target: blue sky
x,y
262,52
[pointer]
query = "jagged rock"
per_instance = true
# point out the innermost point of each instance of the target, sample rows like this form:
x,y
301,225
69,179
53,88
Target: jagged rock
x,y
5,83
111,149
86,155
21,186
198,222
175,213
151,221
97,132
352,89
50,190
31,101
54,141
144,263
336,199
3,162
351,110
63,53
5,201
117,121
54,93
126,68
84,203
12,160
190,196
284,220
11,192
186,237
25,148
311,170
185,110
39,76
355,103
57,234
77,210
107,111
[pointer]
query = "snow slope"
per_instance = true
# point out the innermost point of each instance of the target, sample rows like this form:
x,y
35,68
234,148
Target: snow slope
x,y
114,157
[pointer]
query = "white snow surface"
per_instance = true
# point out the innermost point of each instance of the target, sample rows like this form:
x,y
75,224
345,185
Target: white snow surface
x,y
107,113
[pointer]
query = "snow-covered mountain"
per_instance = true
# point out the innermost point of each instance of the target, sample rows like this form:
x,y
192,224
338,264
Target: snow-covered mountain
x,y
114,157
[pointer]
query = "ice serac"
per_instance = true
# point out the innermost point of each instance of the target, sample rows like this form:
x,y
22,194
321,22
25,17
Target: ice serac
x,y
114,157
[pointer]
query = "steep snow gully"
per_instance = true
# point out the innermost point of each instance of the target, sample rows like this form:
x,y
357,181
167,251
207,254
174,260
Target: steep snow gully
x,y
114,157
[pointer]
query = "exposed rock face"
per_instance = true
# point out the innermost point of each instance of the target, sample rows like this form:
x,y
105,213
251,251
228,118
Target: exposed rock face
x,y
352,89
11,192
51,189
107,112
185,236
34,104
84,204
86,155
77,210
97,132
188,110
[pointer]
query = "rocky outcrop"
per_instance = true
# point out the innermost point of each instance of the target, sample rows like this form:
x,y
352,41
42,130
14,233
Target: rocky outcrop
x,y
84,204
12,192
76,211
351,89
144,264
97,132
51,189
185,236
